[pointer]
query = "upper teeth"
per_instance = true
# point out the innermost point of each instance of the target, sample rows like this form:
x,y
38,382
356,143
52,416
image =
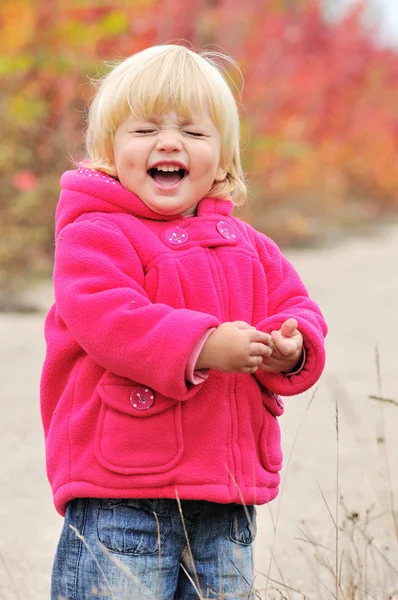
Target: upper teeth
x,y
167,168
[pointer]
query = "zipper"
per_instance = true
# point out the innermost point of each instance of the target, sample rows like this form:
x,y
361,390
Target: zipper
x,y
235,474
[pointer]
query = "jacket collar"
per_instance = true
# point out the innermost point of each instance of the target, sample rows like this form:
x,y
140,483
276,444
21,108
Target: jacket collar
x,y
86,190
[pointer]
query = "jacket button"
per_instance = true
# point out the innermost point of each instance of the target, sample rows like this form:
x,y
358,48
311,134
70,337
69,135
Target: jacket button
x,y
176,236
226,230
142,398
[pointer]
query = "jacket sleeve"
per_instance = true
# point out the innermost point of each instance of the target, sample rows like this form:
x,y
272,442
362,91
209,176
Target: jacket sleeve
x,y
100,296
288,297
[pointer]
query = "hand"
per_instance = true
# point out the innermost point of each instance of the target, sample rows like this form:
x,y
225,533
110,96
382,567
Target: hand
x,y
287,349
234,347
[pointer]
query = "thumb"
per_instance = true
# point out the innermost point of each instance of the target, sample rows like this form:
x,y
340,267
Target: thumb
x,y
288,327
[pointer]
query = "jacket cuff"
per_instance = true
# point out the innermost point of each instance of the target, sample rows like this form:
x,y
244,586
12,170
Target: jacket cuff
x,y
192,375
299,368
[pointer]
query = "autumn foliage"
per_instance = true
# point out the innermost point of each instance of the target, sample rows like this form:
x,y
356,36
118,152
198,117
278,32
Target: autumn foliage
x,y
319,109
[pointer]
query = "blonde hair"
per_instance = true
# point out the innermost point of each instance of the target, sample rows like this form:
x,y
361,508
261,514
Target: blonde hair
x,y
155,81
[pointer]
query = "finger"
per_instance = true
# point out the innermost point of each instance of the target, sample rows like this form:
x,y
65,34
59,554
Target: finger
x,y
288,327
260,336
280,364
284,346
243,325
260,350
272,364
254,361
277,338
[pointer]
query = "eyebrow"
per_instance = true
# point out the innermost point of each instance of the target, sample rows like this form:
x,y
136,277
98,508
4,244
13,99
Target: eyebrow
x,y
185,121
180,122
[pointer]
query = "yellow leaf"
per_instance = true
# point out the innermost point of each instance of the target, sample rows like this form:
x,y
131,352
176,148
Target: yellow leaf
x,y
115,23
17,27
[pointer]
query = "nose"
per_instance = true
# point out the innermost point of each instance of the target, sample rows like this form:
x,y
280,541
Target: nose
x,y
169,141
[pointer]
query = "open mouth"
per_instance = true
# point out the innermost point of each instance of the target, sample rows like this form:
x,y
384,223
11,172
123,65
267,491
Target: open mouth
x,y
167,175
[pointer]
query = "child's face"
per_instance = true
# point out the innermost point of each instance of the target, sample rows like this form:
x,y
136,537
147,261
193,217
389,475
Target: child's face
x,y
168,162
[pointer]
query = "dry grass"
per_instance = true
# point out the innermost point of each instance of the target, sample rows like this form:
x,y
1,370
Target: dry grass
x,y
358,564
358,561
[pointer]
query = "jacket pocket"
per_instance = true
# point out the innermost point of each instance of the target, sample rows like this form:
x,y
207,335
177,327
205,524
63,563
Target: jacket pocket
x,y
270,438
139,430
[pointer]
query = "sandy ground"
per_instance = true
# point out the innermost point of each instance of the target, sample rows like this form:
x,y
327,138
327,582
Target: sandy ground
x,y
356,284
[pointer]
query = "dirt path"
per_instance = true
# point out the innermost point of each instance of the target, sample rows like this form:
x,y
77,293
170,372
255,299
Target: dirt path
x,y
356,285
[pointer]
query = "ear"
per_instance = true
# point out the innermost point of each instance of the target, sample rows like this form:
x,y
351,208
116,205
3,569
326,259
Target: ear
x,y
221,174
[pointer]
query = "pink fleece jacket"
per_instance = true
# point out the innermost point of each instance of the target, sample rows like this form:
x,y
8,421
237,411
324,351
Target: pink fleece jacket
x,y
135,292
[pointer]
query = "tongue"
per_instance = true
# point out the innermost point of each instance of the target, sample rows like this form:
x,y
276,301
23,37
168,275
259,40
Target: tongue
x,y
167,177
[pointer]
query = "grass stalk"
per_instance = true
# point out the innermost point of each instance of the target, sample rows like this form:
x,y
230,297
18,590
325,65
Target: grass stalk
x,y
394,515
159,556
197,586
336,525
80,537
275,522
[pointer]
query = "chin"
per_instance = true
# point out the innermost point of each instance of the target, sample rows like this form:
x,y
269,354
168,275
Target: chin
x,y
165,209
166,212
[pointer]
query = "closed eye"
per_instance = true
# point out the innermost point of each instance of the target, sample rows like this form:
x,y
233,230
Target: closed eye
x,y
144,131
195,133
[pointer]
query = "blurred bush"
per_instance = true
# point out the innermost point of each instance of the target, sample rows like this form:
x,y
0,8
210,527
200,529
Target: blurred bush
x,y
319,115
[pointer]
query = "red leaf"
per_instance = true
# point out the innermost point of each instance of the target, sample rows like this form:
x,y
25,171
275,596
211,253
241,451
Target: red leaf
x,y
24,181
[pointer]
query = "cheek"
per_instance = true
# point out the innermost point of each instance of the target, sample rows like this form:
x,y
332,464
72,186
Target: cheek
x,y
128,165
209,159
128,152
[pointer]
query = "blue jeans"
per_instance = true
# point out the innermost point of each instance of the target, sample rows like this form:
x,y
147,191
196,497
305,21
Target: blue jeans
x,y
145,550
